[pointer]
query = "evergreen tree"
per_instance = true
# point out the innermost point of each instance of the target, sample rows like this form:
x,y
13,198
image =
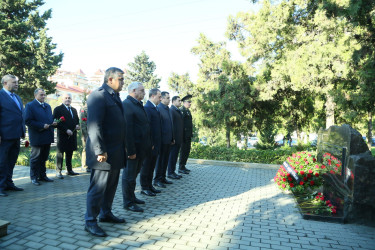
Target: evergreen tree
x,y
223,101
181,84
142,70
301,47
25,49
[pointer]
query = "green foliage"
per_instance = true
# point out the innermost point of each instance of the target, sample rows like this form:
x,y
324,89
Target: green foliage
x,y
300,51
181,84
25,49
277,156
223,102
267,135
142,70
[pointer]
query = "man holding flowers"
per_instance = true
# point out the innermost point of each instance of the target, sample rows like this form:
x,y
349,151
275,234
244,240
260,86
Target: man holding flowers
x,y
66,135
39,120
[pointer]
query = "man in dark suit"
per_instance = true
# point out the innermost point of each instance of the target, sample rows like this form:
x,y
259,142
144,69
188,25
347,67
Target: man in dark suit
x,y
178,128
12,128
39,120
105,150
167,141
138,143
148,166
188,133
66,135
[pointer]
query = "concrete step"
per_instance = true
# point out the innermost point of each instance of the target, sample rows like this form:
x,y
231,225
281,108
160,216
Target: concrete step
x,y
3,227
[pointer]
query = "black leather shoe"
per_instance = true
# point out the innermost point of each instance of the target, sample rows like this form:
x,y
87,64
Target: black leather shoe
x,y
95,230
186,169
148,193
3,194
45,178
134,208
138,201
71,173
159,184
88,170
112,219
182,171
165,181
156,191
177,175
35,182
14,188
172,177
59,175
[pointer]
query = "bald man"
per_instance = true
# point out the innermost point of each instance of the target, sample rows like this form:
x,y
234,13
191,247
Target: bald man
x,y
66,135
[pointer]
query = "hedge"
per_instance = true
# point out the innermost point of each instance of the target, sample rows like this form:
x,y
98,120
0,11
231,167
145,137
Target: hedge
x,y
276,156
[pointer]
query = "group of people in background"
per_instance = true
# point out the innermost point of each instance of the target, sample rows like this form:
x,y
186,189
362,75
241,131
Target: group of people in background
x,y
140,139
41,121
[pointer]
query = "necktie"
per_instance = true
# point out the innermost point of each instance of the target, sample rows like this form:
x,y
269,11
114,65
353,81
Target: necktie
x,y
70,111
15,100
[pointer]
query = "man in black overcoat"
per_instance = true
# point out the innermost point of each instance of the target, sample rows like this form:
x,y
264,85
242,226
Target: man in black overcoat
x,y
178,129
187,134
66,135
147,170
166,142
138,143
105,150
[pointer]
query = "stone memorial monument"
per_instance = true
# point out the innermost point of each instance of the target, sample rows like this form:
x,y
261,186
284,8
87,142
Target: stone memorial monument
x,y
352,187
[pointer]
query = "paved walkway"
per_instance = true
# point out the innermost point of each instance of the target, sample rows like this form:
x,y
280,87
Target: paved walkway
x,y
215,207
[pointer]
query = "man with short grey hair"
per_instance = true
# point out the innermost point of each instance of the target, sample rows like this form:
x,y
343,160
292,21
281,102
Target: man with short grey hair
x,y
12,128
39,120
138,143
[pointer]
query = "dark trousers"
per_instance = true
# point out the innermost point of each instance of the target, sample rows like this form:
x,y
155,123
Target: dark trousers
x,y
129,176
173,155
185,151
38,158
60,160
9,150
83,154
147,172
102,189
162,162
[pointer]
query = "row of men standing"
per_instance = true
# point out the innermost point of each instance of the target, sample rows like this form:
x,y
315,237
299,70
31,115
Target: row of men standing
x,y
144,139
37,115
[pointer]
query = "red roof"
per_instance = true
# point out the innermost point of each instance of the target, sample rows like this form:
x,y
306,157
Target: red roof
x,y
72,89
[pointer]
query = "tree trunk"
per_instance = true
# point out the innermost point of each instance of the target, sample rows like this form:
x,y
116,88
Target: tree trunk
x,y
330,111
369,129
227,135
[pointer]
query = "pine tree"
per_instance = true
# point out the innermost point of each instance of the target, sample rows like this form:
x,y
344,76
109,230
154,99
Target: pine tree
x,y
26,51
142,70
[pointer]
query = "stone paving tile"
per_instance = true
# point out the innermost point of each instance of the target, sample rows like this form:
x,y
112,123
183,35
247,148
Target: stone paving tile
x,y
214,207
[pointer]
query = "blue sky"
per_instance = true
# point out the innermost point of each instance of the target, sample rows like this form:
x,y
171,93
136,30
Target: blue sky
x,y
100,34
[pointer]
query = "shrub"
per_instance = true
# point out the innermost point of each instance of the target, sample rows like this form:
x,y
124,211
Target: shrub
x,y
276,156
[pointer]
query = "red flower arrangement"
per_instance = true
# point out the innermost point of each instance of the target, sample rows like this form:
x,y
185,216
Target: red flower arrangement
x,y
84,119
27,143
332,163
322,205
308,173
